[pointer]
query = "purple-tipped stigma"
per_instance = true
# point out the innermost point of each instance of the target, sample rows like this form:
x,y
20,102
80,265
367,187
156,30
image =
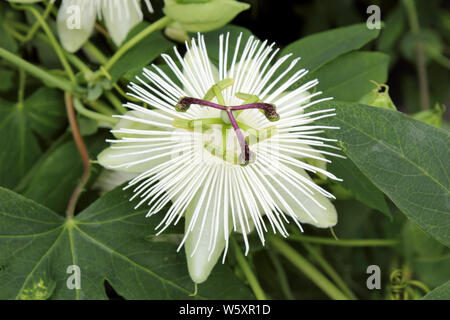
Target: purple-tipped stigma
x,y
269,110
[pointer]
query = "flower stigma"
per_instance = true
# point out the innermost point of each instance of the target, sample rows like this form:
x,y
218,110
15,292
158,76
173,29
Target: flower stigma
x,y
227,119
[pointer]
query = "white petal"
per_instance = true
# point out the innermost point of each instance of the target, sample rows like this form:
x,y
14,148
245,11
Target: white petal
x,y
75,23
154,120
120,17
201,259
110,179
320,217
122,159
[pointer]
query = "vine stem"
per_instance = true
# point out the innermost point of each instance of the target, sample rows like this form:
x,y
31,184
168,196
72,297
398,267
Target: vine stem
x,y
346,242
95,52
92,114
161,23
284,283
315,253
420,52
39,73
307,268
251,277
115,102
420,285
59,51
83,153
77,62
35,27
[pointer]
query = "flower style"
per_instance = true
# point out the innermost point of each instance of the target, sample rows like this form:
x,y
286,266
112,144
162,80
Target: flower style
x,y
76,19
224,146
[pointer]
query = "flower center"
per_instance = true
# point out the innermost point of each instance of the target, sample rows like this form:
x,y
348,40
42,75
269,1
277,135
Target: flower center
x,y
227,118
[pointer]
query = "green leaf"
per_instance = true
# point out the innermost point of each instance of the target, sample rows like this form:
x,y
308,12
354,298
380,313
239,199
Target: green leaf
x,y
403,157
440,293
347,78
19,147
6,39
359,185
108,241
141,54
57,176
46,112
7,79
394,27
318,49
43,113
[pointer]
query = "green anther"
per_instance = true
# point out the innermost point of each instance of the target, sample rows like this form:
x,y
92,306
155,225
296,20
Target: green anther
x,y
218,87
190,124
218,93
256,136
248,98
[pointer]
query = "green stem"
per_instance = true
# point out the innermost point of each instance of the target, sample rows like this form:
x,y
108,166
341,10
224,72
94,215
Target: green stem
x,y
55,44
92,114
39,73
281,275
346,242
35,26
14,33
123,94
93,51
115,102
307,268
329,270
77,62
252,280
420,52
101,107
161,23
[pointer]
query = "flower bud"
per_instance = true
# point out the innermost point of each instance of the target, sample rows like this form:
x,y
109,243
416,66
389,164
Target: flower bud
x,y
379,97
203,15
432,117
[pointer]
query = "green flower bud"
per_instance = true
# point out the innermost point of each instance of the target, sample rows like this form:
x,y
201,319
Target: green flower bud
x,y
379,97
176,32
203,15
432,117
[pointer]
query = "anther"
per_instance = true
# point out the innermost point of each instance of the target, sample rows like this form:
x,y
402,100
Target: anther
x,y
185,102
268,109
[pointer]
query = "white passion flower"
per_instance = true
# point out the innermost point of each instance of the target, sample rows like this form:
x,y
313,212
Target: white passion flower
x,y
76,19
223,146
